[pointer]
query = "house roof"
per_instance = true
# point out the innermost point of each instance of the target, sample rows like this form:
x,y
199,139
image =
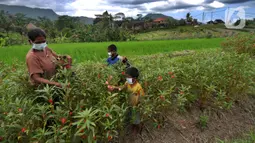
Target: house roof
x,y
160,19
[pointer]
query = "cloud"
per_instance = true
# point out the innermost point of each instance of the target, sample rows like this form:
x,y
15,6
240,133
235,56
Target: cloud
x,y
173,6
56,5
129,7
234,1
132,2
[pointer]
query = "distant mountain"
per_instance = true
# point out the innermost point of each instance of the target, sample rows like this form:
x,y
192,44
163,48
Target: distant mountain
x,y
86,20
156,15
38,12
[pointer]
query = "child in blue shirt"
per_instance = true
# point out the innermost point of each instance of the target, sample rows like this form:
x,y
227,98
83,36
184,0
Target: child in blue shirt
x,y
115,58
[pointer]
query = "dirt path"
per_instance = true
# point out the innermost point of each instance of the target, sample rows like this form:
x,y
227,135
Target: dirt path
x,y
184,128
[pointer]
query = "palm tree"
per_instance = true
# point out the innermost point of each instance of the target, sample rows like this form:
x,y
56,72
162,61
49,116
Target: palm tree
x,y
189,17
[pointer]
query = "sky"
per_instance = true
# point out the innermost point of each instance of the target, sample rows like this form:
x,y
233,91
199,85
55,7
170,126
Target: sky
x,y
213,9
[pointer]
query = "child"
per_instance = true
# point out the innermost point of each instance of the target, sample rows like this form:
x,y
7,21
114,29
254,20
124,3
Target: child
x,y
115,58
136,92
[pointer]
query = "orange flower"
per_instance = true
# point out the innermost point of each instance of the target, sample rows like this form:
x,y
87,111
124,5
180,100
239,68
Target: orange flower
x,y
123,73
172,76
181,92
107,115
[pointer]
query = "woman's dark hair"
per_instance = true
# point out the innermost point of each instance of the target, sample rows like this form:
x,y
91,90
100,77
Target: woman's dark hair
x,y
112,48
34,33
133,72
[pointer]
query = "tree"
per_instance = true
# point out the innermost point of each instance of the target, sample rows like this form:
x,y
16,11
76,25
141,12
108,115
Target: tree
x,y
189,17
6,22
20,22
119,16
66,22
182,22
139,16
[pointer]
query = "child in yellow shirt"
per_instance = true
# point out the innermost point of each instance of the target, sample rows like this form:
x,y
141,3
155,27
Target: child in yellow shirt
x,y
136,92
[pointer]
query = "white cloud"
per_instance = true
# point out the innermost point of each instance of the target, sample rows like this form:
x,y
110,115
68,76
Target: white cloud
x,y
90,8
217,4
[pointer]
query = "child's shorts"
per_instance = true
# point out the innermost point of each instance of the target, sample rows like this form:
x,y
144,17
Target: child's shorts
x,y
133,116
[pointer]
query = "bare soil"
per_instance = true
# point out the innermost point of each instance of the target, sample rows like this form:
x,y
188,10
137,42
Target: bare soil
x,y
185,128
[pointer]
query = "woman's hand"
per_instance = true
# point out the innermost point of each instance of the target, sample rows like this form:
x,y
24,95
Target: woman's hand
x,y
39,79
58,84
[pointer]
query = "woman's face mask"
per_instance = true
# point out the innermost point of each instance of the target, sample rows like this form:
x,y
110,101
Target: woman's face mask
x,y
129,80
109,54
39,47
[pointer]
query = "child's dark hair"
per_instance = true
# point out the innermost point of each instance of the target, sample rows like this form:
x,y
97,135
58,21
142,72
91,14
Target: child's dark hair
x,y
34,33
133,72
112,48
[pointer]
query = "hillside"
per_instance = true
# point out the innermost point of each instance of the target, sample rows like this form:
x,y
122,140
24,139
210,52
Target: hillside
x,y
38,12
156,15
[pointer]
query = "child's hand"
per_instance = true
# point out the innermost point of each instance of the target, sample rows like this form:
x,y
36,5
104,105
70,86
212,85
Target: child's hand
x,y
112,88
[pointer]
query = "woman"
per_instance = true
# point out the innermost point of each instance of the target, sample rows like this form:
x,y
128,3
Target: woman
x,y
41,60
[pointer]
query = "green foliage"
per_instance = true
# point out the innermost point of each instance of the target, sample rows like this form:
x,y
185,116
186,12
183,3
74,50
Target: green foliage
x,y
98,51
203,121
240,43
248,138
89,111
2,42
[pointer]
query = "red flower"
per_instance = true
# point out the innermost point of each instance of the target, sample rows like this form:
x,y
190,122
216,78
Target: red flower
x,y
107,115
82,131
110,88
162,97
123,73
160,78
63,120
68,66
172,76
70,113
94,137
170,73
23,130
158,126
50,101
84,137
109,138
20,109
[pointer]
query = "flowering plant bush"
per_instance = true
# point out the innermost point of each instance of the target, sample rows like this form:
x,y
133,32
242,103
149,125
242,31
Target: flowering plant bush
x,y
86,109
